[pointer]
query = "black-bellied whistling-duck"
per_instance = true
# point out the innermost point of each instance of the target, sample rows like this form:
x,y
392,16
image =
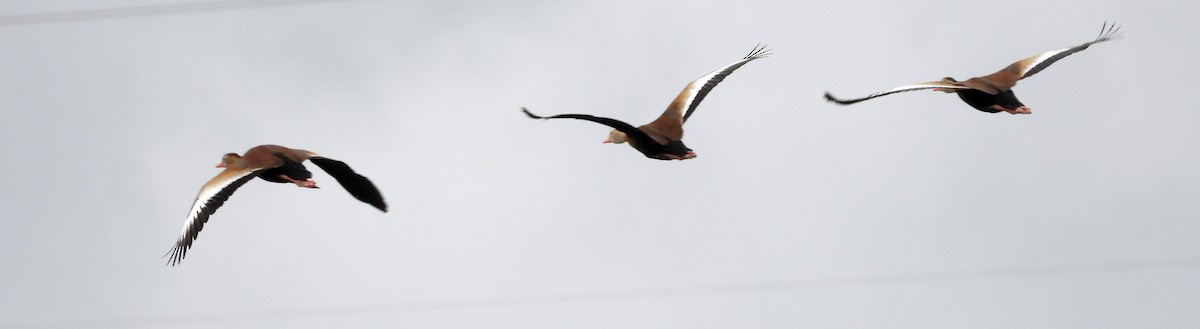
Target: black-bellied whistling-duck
x,y
272,163
661,139
993,93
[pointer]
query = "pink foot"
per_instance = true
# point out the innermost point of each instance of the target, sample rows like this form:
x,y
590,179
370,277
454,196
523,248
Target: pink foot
x,y
670,156
1020,110
307,183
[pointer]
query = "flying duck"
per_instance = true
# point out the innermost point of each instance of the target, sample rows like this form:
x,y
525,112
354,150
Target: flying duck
x,y
993,93
662,138
272,163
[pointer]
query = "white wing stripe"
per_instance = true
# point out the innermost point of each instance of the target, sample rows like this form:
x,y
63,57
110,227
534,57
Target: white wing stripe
x,y
900,89
1038,61
206,194
923,86
212,196
695,86
695,90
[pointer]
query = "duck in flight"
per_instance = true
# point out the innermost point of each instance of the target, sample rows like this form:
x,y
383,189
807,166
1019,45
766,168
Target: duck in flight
x,y
993,93
662,138
272,163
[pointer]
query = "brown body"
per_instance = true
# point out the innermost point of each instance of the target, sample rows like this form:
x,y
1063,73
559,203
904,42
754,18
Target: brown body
x,y
993,92
272,163
277,164
663,138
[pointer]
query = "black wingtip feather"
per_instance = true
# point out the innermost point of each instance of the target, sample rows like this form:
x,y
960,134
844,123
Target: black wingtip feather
x,y
760,50
177,253
531,115
1109,32
829,97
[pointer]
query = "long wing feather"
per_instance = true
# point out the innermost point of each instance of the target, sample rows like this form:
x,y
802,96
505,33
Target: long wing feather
x,y
358,186
670,123
212,195
691,96
1027,67
614,123
900,89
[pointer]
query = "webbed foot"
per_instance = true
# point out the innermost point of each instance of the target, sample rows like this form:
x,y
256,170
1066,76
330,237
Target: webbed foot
x,y
1019,110
307,183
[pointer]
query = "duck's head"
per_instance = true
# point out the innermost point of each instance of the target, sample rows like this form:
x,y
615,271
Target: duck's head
x,y
616,137
228,159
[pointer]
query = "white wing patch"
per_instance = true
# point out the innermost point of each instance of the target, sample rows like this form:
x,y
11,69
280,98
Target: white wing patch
x,y
212,195
207,193
695,91
923,86
900,89
1034,64
1036,60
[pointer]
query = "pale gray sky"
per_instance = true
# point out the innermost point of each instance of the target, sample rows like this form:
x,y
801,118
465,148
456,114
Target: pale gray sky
x,y
911,211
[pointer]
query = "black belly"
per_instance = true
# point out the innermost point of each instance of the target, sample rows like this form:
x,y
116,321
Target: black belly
x,y
654,150
983,101
292,169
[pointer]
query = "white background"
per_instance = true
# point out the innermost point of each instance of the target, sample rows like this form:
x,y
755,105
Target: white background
x,y
910,211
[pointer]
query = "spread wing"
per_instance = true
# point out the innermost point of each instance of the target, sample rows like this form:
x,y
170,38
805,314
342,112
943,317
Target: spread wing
x,y
626,128
358,186
920,86
212,195
1007,78
681,108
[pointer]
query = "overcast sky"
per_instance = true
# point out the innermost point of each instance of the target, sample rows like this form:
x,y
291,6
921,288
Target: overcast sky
x,y
910,211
